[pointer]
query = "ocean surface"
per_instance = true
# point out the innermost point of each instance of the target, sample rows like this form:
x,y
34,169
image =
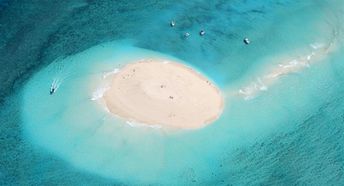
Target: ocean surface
x,y
283,121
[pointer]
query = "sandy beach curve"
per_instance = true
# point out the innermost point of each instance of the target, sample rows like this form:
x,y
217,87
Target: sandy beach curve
x,y
163,93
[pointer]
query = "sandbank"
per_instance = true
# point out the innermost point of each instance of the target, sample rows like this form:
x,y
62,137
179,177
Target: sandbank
x,y
317,52
157,92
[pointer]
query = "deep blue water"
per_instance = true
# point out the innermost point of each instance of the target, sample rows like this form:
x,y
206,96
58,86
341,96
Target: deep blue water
x,y
291,134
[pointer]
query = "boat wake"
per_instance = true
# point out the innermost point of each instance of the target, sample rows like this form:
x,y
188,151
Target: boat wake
x,y
55,85
62,72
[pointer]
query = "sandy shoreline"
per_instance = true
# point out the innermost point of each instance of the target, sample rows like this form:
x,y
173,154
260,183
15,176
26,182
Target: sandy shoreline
x,y
164,93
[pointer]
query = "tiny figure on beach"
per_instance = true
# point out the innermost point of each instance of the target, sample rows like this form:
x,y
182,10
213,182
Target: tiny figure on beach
x,y
246,41
201,33
172,23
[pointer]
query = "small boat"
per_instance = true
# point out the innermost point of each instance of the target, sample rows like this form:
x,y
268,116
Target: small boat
x,y
52,90
187,34
53,87
201,33
173,23
246,41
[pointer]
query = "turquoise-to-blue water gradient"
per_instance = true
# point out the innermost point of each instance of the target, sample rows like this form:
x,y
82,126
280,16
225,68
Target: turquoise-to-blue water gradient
x,y
289,131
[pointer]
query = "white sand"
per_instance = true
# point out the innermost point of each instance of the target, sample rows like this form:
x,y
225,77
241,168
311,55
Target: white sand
x,y
168,94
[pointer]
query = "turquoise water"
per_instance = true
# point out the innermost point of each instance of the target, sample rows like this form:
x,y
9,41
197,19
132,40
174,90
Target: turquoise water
x,y
290,133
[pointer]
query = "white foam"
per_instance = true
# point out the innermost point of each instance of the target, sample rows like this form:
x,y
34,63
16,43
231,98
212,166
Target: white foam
x,y
309,57
99,92
134,123
114,71
317,45
262,86
250,91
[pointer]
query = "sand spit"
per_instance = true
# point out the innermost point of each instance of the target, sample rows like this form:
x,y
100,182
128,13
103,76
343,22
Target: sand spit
x,y
318,52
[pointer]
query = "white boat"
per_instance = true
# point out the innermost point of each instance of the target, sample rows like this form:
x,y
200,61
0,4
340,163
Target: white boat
x,y
246,41
52,90
53,87
172,23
